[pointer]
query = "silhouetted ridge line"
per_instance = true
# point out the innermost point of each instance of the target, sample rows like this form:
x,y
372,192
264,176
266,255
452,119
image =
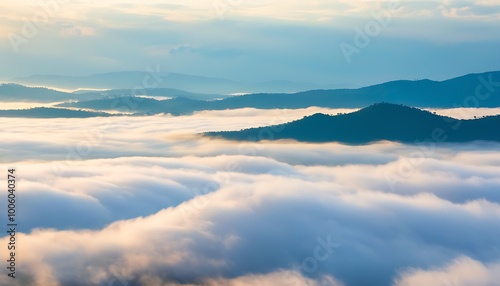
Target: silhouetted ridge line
x,y
378,122
475,90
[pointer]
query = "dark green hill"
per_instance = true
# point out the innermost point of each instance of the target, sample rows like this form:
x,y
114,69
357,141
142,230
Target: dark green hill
x,y
378,122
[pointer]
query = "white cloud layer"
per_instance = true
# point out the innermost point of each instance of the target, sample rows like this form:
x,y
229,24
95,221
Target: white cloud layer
x,y
461,271
151,204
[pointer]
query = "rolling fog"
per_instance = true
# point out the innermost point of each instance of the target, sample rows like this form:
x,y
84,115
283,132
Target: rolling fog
x,y
148,200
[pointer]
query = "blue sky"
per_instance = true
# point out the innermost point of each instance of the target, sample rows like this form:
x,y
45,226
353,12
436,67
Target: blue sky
x,y
253,40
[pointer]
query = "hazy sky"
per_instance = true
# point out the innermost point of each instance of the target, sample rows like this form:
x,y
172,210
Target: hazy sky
x,y
311,41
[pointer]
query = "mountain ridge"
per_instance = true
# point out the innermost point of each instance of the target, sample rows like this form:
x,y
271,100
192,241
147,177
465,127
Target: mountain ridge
x,y
191,83
378,122
422,93
50,112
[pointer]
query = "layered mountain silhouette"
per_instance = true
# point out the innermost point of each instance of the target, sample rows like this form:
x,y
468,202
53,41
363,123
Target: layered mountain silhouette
x,y
377,122
157,92
474,90
15,92
132,79
175,106
47,112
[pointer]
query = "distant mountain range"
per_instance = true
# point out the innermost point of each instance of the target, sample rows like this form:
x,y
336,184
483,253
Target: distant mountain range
x,y
132,79
456,92
15,92
159,92
378,122
175,106
473,90
47,112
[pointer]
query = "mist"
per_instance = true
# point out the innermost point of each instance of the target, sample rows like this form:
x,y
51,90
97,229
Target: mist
x,y
149,201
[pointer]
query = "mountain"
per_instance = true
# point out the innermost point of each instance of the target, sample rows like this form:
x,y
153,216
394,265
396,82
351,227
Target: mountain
x,y
46,112
457,92
15,92
10,92
191,83
154,92
377,122
175,106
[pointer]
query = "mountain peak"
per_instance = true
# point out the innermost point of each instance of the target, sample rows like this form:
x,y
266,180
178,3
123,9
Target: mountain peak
x,y
378,122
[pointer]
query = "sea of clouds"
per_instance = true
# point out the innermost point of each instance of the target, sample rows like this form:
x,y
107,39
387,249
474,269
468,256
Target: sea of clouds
x,y
148,201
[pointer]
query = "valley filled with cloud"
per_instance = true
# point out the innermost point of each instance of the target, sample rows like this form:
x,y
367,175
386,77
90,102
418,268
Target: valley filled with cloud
x,y
150,201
